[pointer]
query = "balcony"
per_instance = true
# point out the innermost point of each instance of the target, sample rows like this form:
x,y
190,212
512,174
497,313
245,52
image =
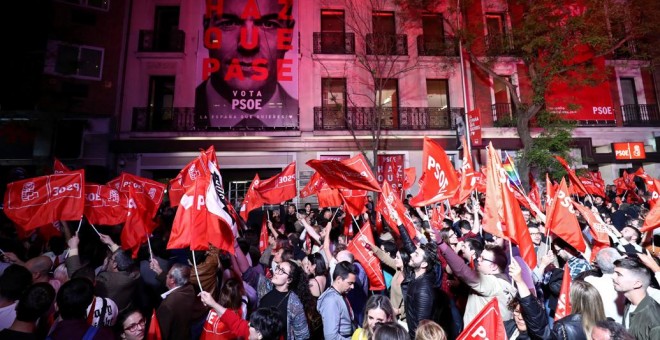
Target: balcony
x,y
387,44
334,43
165,120
153,41
503,115
499,45
402,118
436,46
640,115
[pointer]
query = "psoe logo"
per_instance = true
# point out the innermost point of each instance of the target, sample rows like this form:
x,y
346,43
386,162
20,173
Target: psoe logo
x,y
28,193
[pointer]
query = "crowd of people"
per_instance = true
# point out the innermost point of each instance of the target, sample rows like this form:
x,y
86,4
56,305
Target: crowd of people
x,y
306,284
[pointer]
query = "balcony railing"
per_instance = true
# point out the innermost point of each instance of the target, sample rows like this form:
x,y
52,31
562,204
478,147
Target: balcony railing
x,y
166,119
640,115
499,45
387,44
150,41
402,118
334,43
503,115
436,46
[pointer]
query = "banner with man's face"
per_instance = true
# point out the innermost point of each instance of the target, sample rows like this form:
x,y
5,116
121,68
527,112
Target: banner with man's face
x,y
250,76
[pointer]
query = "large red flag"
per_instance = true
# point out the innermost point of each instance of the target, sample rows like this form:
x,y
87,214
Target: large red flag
x,y
437,215
493,209
549,192
154,328
252,200
409,175
564,301
216,202
597,227
263,236
279,188
388,204
194,225
580,189
366,258
355,201
153,190
439,176
593,184
561,219
38,201
487,324
468,179
352,173
652,186
139,221
104,205
329,198
652,219
314,185
515,227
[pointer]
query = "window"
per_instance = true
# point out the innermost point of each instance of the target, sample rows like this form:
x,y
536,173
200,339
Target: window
x,y
389,101
628,91
437,96
77,61
497,38
433,38
503,107
166,28
96,4
384,40
383,23
333,96
495,24
332,32
161,101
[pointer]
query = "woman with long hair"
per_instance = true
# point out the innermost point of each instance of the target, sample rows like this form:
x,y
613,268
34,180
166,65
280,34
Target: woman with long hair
x,y
377,310
398,263
288,281
317,271
586,310
232,297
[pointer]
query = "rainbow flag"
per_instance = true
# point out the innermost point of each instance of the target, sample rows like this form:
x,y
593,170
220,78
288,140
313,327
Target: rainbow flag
x,y
511,171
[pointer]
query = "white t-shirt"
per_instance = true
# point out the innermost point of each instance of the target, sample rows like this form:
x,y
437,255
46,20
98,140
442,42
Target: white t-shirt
x,y
109,314
7,315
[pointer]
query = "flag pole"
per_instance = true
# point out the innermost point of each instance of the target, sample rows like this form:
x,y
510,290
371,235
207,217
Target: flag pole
x,y
196,273
151,253
80,224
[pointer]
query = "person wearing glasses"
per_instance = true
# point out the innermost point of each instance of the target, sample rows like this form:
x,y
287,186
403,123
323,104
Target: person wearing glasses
x,y
289,294
487,280
131,325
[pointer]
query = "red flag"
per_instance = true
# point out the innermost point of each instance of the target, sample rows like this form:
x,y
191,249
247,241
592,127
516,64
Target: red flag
x,y
481,180
503,214
175,191
409,176
468,179
263,236
355,201
597,227
329,197
279,188
154,191
580,189
115,183
549,192
439,176
652,219
534,192
194,225
352,173
38,201
59,167
366,258
561,219
437,215
139,221
154,328
104,205
314,185
388,203
652,186
487,324
564,301
252,200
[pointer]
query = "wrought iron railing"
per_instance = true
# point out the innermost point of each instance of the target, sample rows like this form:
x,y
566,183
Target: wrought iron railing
x,y
436,46
503,115
401,118
334,43
640,115
150,41
387,44
166,119
499,45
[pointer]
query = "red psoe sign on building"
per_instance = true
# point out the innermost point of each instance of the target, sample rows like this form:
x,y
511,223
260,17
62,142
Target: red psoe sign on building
x,y
631,150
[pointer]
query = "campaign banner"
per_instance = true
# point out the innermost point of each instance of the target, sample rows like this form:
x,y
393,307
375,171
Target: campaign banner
x,y
632,150
474,125
249,72
390,168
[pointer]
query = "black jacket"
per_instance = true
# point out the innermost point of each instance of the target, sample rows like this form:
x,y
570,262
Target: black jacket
x,y
535,320
420,302
569,328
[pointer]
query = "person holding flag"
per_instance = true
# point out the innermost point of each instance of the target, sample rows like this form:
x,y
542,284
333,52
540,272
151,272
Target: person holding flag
x,y
529,319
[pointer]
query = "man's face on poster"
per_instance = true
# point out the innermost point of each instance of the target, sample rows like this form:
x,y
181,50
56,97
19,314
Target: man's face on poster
x,y
259,42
